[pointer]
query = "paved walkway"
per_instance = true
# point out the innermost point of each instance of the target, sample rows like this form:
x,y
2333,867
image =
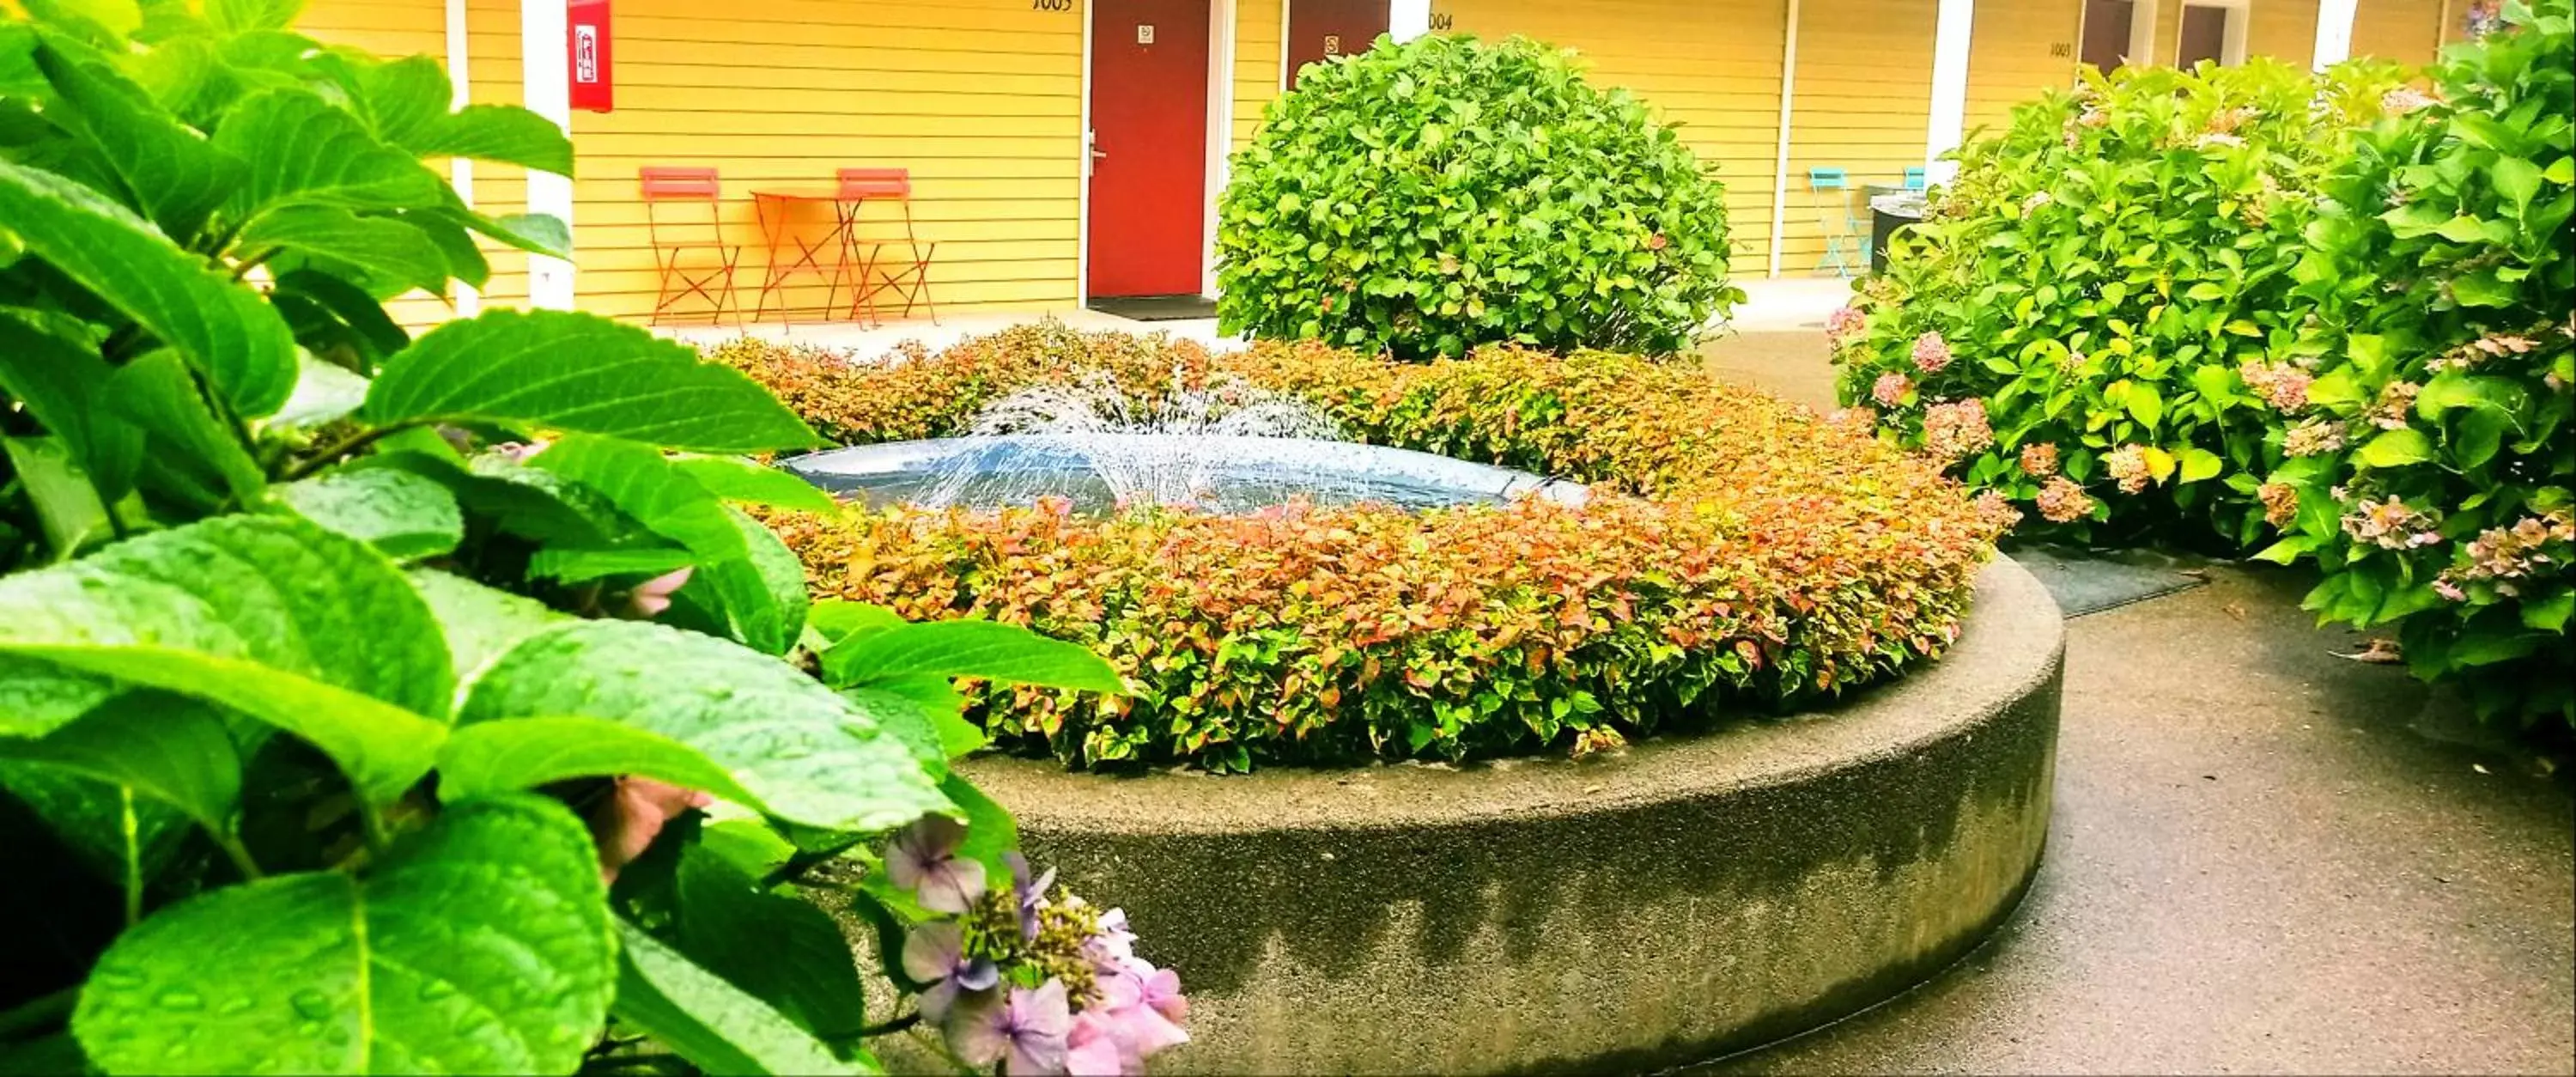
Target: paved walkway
x,y
2265,858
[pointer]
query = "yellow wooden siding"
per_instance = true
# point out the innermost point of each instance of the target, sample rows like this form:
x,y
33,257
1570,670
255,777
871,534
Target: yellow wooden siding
x,y
2013,55
1864,104
981,99
2285,30
1712,68
1257,42
2405,31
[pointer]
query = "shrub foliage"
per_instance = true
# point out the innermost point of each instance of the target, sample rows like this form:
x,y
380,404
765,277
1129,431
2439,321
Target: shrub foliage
x,y
2322,318
2442,285
1738,555
1432,196
330,701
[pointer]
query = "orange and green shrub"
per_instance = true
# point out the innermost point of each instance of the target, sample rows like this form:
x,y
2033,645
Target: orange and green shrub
x,y
1739,555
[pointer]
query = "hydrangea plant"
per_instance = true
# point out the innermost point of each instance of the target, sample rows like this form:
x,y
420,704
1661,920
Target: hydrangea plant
x,y
1427,197
2427,464
381,704
2085,322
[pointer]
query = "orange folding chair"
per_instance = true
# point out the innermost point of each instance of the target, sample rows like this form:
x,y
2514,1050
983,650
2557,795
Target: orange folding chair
x,y
675,240
907,274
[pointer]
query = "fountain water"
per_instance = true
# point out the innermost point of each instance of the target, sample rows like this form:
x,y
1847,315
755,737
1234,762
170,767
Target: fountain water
x,y
1227,446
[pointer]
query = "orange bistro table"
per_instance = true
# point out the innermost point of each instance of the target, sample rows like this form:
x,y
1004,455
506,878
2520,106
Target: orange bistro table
x,y
808,231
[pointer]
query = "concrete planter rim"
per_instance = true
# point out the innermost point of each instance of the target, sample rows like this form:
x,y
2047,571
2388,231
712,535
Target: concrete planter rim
x,y
2009,646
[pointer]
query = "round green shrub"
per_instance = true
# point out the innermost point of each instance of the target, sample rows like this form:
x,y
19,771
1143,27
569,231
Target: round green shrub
x,y
1428,197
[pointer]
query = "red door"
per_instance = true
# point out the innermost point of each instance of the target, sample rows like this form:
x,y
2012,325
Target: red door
x,y
1320,29
1149,120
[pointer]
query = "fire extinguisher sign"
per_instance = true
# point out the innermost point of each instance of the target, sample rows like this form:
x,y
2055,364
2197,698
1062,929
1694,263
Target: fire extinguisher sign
x,y
594,83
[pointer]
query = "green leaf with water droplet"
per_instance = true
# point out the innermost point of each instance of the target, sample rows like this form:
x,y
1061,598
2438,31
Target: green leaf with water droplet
x,y
965,648
584,374
171,749
784,951
480,945
524,753
708,1021
270,616
808,755
405,515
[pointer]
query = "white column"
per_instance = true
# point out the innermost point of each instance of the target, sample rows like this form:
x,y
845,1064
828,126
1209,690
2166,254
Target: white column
x,y
544,29
2334,32
460,171
1949,87
1780,165
1408,19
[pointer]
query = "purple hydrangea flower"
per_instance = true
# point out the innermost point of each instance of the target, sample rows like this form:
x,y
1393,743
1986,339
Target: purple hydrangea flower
x,y
923,861
935,954
1029,893
1025,1031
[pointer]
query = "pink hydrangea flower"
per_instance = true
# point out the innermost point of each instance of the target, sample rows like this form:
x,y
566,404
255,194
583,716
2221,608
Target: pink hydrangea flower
x,y
2039,459
1931,353
2128,466
2280,503
1891,390
653,596
1843,324
1956,429
2062,501
626,823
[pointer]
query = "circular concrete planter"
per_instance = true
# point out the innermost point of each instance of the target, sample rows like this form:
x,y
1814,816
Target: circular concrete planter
x,y
1685,898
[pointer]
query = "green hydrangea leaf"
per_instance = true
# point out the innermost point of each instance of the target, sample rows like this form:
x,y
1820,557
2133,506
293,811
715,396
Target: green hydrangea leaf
x,y
582,374
967,648
156,394
715,1025
169,748
406,516
2396,448
481,945
783,951
221,327
480,623
174,173
809,756
502,133
524,753
270,616
64,386
394,255
735,479
304,150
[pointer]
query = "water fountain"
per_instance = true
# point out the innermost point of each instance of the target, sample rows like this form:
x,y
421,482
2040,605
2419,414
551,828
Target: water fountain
x,y
1227,446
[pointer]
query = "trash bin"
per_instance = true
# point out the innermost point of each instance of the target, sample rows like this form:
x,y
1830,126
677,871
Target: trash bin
x,y
1887,213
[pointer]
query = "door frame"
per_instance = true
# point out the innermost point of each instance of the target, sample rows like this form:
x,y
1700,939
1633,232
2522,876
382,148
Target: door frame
x,y
2231,47
1220,137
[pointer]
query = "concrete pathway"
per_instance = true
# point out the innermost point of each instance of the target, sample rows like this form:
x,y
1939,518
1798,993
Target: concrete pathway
x,y
2265,858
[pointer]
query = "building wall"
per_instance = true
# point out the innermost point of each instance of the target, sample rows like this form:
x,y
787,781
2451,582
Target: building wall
x,y
981,99
1712,68
1864,104
2285,30
2016,50
2406,31
1257,42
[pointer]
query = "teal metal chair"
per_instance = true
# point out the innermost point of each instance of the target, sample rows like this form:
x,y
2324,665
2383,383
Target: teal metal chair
x,y
1916,178
1830,191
